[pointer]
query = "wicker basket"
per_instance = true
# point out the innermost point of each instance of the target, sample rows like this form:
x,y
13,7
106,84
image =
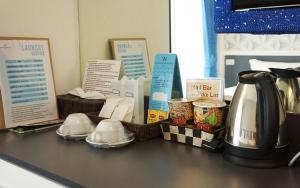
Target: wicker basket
x,y
142,132
68,104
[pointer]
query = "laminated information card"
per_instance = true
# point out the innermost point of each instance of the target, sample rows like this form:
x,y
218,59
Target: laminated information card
x,y
26,82
134,55
99,75
166,84
210,88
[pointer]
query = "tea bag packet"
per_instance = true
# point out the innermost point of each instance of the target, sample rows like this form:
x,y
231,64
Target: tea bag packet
x,y
124,110
147,84
127,87
135,89
109,106
138,113
116,88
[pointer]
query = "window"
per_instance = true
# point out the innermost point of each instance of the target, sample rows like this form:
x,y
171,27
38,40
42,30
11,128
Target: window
x,y
187,37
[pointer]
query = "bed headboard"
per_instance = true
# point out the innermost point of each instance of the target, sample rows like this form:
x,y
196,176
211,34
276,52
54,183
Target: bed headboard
x,y
237,63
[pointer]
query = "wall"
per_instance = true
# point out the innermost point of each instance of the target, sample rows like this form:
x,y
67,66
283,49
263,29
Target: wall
x,y
247,44
53,19
101,20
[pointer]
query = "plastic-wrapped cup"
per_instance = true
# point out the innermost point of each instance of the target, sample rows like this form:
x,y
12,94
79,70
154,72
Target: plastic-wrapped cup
x,y
181,111
76,124
209,114
109,131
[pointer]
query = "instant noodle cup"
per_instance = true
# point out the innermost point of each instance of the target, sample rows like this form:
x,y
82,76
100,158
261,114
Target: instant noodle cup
x,y
209,114
181,111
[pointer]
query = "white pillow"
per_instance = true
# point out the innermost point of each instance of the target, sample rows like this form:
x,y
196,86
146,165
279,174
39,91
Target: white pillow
x,y
265,65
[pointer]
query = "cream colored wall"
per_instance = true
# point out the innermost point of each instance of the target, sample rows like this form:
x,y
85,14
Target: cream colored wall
x,y
99,21
53,19
103,19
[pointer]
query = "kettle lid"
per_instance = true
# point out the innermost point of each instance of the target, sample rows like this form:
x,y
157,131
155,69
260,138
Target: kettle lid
x,y
251,77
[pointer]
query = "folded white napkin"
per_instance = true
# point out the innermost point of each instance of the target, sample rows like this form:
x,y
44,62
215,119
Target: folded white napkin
x,y
118,108
86,95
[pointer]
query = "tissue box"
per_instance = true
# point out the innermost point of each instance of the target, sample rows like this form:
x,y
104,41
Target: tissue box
x,y
68,104
190,135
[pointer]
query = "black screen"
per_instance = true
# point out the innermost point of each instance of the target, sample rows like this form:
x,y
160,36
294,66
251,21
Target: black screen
x,y
256,4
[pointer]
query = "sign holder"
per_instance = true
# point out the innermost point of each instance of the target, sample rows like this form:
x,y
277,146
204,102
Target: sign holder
x,y
27,91
134,55
165,85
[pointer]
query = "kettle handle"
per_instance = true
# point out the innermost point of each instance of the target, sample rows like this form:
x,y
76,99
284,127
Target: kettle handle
x,y
268,109
286,73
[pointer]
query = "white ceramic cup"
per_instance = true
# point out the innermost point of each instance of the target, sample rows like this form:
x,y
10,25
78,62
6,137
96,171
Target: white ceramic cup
x,y
108,131
77,123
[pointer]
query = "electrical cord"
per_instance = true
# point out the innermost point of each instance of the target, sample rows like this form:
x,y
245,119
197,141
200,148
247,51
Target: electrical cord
x,y
294,159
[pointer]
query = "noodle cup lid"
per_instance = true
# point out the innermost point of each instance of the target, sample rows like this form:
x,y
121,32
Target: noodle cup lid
x,y
209,103
180,100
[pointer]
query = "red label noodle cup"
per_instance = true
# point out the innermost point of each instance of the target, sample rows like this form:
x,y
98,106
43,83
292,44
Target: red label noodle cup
x,y
208,114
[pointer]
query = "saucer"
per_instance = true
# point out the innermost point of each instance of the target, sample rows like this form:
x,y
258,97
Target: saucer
x,y
106,145
72,137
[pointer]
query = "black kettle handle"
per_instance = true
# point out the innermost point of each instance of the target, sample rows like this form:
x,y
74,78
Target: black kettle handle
x,y
267,103
286,73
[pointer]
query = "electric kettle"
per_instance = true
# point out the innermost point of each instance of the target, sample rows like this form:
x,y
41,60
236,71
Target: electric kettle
x,y
256,134
288,86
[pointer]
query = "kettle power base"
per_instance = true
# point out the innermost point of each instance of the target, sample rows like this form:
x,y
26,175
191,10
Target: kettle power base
x,y
255,158
254,163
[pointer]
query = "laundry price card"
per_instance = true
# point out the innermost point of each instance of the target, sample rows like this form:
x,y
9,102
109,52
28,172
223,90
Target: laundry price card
x,y
134,55
166,84
211,88
27,87
99,74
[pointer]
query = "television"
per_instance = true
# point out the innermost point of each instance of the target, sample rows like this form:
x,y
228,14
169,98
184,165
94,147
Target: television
x,y
240,5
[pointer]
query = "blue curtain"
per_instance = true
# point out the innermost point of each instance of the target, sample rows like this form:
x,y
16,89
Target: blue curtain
x,y
210,39
264,21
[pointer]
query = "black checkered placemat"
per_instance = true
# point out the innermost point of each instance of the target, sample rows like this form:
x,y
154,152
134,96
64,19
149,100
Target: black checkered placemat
x,y
192,136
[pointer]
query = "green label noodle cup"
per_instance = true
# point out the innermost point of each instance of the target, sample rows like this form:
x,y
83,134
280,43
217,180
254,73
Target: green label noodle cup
x,y
208,114
181,111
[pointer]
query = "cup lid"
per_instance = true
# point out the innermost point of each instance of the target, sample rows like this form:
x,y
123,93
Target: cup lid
x,y
180,100
209,103
108,125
